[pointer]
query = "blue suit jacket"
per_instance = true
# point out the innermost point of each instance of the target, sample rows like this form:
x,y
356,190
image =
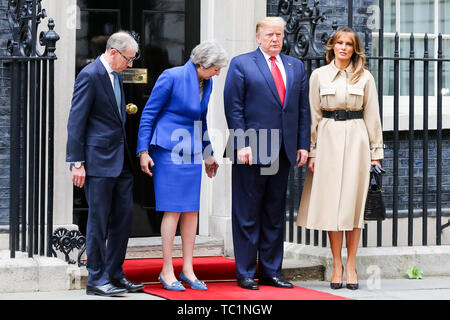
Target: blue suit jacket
x,y
96,131
252,102
171,118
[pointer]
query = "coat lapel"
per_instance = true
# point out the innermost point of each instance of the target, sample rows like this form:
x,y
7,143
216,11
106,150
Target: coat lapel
x,y
264,68
106,82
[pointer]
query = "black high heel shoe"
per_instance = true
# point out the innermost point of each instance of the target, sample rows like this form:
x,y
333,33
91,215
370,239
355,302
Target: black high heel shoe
x,y
353,286
337,285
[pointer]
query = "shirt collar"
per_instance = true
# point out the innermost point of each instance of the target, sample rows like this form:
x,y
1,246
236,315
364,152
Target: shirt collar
x,y
336,70
267,57
106,64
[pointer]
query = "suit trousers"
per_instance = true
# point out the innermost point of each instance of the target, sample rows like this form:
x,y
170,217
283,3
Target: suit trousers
x,y
258,218
110,203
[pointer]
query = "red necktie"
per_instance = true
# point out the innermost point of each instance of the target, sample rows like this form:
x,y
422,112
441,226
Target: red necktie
x,y
278,78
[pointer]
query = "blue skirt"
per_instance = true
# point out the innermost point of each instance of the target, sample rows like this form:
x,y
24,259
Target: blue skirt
x,y
177,180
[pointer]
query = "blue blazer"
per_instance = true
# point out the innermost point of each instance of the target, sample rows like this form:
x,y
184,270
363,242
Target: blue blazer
x,y
96,131
174,116
252,102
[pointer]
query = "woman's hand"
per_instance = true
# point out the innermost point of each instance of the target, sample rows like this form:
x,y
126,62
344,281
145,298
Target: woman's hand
x,y
375,163
146,163
211,166
311,163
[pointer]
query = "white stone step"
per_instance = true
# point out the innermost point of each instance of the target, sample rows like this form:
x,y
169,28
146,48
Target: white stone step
x,y
140,248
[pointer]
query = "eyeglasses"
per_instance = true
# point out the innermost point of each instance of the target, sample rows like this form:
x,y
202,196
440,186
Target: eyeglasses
x,y
128,59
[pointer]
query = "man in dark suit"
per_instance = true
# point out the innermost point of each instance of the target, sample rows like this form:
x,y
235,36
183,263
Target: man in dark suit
x,y
267,111
100,161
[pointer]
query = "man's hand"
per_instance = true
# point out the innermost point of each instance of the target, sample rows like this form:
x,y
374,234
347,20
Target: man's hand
x,y
302,157
78,176
211,166
245,155
146,163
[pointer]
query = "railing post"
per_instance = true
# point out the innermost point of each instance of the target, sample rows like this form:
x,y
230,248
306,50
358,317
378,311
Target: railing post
x,y
30,186
439,144
50,38
396,142
425,144
411,143
14,159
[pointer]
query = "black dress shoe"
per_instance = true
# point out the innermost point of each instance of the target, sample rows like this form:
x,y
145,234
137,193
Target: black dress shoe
x,y
248,283
275,282
107,290
337,285
124,283
352,286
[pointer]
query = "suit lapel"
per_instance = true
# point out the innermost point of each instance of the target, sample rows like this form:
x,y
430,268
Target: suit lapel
x,y
106,83
264,68
289,69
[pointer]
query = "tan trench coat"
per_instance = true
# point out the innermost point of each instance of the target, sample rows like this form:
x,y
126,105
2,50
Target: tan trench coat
x,y
334,197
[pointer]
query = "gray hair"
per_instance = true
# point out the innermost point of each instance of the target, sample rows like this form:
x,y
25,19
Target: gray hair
x,y
122,40
209,53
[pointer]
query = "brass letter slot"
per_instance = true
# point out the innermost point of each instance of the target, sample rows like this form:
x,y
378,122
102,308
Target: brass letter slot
x,y
134,75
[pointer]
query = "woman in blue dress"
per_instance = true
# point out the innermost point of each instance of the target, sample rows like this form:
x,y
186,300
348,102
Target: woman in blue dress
x,y
172,142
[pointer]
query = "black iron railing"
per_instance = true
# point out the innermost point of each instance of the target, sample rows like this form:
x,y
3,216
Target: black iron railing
x,y
32,128
304,18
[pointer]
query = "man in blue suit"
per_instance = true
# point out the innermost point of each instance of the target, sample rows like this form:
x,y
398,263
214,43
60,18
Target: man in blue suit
x,y
267,111
100,161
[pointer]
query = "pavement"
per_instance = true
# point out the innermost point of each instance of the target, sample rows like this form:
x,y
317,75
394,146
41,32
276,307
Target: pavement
x,y
427,288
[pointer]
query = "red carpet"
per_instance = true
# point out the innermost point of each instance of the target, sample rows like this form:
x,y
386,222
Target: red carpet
x,y
217,273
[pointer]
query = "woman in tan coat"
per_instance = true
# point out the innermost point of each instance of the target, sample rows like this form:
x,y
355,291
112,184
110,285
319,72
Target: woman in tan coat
x,y
346,140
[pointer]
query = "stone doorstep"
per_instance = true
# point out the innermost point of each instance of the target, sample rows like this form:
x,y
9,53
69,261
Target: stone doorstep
x,y
23,274
294,270
378,262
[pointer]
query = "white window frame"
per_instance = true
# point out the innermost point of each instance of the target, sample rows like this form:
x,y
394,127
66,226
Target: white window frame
x,y
388,101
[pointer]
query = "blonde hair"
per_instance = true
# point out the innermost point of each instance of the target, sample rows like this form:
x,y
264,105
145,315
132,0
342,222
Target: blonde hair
x,y
270,22
358,58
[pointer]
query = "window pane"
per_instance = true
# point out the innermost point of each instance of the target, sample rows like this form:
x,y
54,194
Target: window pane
x,y
388,65
165,34
417,16
95,29
446,67
444,24
166,5
389,16
418,67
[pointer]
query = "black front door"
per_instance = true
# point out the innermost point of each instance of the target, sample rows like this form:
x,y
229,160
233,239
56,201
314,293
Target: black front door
x,y
168,30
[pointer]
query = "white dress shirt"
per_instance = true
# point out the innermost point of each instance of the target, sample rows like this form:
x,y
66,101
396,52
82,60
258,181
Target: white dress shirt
x,y
108,69
279,63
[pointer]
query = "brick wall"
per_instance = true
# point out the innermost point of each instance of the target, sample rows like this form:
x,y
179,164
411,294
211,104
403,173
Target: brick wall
x,y
4,116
